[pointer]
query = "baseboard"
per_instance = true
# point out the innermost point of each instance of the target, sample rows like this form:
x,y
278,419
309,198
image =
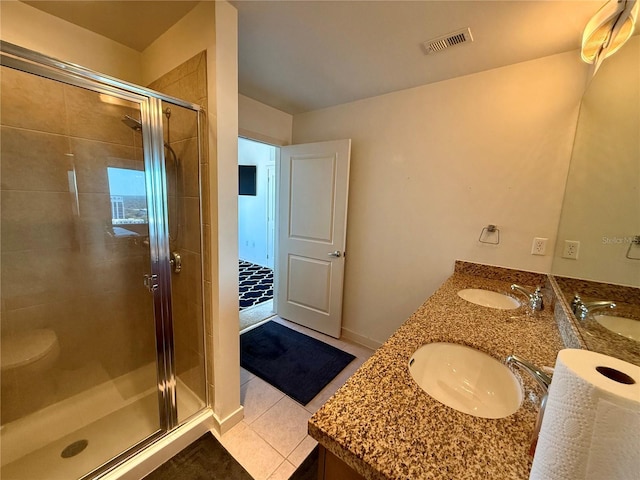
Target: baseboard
x,y
359,339
222,426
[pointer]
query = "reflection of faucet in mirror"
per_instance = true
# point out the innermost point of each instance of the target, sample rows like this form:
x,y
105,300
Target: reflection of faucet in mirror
x,y
582,310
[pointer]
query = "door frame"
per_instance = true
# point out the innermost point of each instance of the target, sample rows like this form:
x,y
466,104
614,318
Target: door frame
x,y
255,137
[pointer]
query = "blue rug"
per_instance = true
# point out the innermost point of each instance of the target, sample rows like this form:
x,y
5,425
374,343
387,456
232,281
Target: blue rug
x,y
256,284
297,365
204,459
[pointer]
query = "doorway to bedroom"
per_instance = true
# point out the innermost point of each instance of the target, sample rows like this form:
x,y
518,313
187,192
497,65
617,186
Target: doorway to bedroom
x,y
256,230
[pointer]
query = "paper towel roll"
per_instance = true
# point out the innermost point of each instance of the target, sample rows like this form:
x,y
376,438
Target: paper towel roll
x,y
591,424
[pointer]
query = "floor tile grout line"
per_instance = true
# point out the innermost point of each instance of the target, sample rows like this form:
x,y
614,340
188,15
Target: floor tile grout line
x,y
272,405
272,446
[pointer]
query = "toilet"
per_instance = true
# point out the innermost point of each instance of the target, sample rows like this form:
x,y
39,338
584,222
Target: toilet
x,y
28,354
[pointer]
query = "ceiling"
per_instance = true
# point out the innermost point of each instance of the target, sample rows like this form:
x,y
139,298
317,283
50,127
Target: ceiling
x,y
299,56
135,24
306,55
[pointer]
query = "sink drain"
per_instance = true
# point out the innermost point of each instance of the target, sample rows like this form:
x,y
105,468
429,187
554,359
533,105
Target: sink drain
x,y
74,449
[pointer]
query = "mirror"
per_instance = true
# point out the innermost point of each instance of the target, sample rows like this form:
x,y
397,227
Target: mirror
x,y
600,216
601,208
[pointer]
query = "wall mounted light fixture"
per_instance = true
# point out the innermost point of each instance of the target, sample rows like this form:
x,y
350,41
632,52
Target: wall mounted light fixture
x,y
608,30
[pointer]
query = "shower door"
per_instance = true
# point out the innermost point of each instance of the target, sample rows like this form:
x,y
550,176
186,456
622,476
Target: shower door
x,y
85,259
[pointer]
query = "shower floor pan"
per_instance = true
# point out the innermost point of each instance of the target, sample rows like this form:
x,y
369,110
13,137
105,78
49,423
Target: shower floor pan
x,y
72,437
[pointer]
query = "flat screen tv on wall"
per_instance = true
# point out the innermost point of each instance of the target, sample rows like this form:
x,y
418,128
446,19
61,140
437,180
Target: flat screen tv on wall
x,y
247,180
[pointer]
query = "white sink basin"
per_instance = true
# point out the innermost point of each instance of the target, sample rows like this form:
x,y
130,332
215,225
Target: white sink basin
x,y
627,327
487,298
466,379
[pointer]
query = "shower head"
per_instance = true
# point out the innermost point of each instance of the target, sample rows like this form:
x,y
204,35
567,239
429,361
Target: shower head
x,y
131,122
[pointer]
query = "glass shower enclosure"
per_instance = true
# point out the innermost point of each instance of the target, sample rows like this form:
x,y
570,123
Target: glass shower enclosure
x,y
101,286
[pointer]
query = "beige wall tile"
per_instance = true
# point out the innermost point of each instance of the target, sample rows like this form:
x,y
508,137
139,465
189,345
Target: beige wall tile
x,y
207,308
43,315
188,87
32,102
191,238
92,158
90,118
36,220
190,66
95,218
187,152
183,122
202,77
206,235
36,277
187,284
31,160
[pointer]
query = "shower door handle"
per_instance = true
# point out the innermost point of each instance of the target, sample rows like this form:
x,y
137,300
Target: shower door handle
x,y
151,282
176,262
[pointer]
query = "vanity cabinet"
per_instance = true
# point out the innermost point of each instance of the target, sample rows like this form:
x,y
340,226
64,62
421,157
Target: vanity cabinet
x,y
331,467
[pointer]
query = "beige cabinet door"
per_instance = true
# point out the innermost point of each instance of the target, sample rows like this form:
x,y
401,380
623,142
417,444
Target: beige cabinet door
x,y
312,228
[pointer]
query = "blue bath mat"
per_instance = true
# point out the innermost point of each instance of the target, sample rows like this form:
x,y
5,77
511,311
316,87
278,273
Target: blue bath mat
x,y
297,365
204,459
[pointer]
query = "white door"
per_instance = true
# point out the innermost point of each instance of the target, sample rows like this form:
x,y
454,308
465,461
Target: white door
x,y
312,227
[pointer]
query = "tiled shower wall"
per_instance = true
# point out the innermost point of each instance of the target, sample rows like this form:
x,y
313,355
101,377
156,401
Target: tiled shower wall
x,y
62,267
188,81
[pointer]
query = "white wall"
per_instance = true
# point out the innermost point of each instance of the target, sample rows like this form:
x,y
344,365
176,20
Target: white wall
x,y
225,332
194,33
212,26
431,166
602,200
31,28
263,123
253,239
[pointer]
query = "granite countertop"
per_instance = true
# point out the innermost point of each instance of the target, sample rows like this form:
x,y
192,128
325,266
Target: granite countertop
x,y
589,332
384,426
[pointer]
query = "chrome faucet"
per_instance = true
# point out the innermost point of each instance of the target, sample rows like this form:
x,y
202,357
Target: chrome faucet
x,y
544,381
582,310
535,298
542,378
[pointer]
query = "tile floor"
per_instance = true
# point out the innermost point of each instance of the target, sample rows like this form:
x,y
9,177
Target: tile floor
x,y
271,441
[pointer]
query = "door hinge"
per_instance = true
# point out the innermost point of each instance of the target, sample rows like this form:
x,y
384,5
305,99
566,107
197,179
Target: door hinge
x,y
151,282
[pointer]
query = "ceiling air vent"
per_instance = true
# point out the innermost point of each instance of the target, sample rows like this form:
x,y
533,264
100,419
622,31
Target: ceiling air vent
x,y
447,41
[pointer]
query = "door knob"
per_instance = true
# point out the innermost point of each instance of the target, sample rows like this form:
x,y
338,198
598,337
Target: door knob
x,y
336,254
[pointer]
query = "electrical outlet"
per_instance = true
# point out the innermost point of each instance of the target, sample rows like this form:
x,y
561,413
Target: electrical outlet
x,y
539,246
571,249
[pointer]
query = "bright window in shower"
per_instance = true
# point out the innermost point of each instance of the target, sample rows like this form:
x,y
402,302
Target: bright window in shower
x,y
128,200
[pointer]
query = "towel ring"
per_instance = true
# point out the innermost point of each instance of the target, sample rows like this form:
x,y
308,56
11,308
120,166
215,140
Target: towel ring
x,y
634,241
486,231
